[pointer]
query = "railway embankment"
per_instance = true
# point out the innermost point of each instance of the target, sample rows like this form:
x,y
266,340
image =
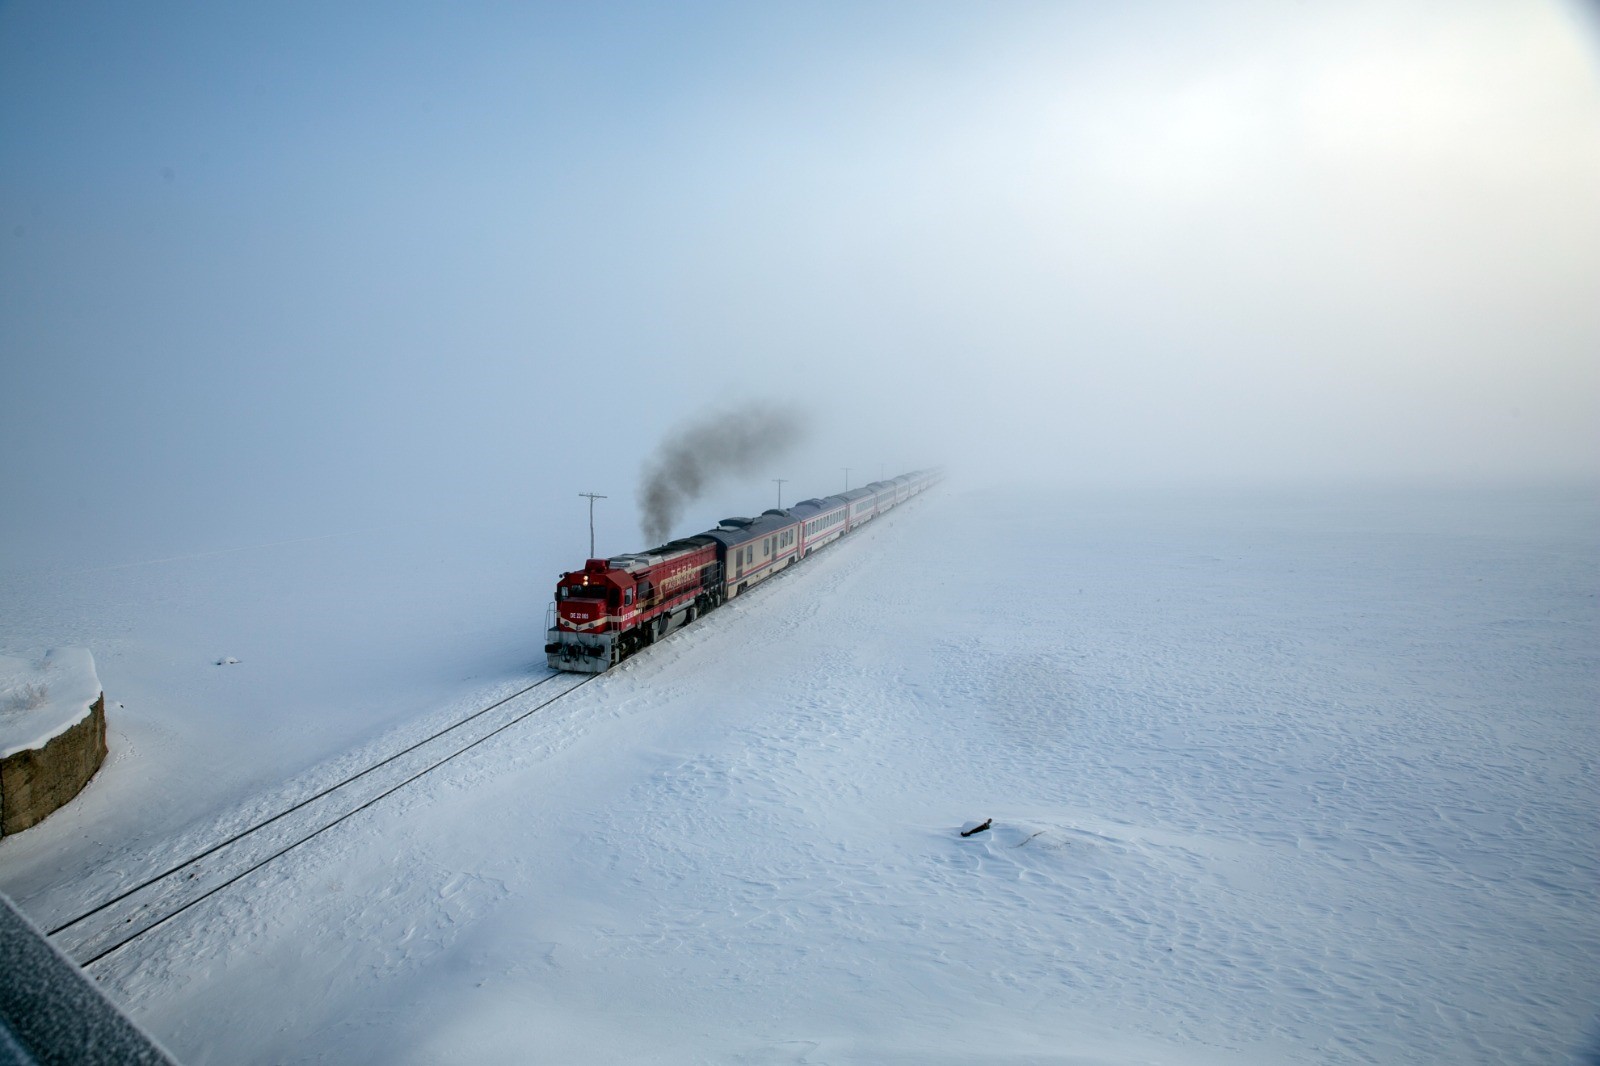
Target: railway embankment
x,y
52,733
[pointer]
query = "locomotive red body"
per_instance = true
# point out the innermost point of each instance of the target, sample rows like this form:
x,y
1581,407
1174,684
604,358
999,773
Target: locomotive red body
x,y
612,607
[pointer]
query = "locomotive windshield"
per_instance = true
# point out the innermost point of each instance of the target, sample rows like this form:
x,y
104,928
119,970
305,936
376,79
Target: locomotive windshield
x,y
583,592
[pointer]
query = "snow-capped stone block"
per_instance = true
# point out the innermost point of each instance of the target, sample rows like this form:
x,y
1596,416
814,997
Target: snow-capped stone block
x,y
52,733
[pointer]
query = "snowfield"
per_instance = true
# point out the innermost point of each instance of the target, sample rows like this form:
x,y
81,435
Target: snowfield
x,y
1280,779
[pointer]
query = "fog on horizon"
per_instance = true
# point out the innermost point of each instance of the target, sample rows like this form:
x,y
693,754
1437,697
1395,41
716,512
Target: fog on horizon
x,y
290,269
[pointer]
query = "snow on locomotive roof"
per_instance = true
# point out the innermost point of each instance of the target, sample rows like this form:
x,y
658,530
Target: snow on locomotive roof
x,y
636,561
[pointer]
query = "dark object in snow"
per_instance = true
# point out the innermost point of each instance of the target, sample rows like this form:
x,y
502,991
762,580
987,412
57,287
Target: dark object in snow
x,y
977,829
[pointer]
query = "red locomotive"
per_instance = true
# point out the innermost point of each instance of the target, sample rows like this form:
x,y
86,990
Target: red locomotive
x,y
613,607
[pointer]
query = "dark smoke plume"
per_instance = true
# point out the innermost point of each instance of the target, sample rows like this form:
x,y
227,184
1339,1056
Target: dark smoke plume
x,y
697,457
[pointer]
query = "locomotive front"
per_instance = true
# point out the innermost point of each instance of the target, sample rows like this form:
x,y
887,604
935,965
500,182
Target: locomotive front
x,y
613,607
588,606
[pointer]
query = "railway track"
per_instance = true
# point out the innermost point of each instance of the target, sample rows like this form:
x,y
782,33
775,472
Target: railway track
x,y
137,910
111,925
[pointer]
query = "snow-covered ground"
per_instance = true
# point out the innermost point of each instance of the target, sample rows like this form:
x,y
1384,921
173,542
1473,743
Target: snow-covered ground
x,y
1293,778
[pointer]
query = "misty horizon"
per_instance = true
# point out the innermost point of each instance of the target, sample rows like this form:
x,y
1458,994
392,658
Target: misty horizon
x,y
276,273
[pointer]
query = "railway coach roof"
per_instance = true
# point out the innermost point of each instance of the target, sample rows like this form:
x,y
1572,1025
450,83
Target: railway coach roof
x,y
807,508
752,529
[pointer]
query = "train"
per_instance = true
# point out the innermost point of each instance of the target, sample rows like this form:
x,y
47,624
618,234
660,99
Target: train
x,y
616,607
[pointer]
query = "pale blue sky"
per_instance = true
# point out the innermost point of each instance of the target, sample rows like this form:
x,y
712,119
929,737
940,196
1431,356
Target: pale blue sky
x,y
297,265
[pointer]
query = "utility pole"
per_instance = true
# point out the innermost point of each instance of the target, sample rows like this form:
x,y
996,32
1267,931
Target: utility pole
x,y
846,470
592,496
780,481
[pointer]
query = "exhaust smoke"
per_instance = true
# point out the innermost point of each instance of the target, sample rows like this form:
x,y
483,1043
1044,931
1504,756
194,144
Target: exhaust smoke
x,y
697,457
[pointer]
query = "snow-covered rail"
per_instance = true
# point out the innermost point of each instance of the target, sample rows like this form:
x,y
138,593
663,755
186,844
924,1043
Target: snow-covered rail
x,y
103,929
